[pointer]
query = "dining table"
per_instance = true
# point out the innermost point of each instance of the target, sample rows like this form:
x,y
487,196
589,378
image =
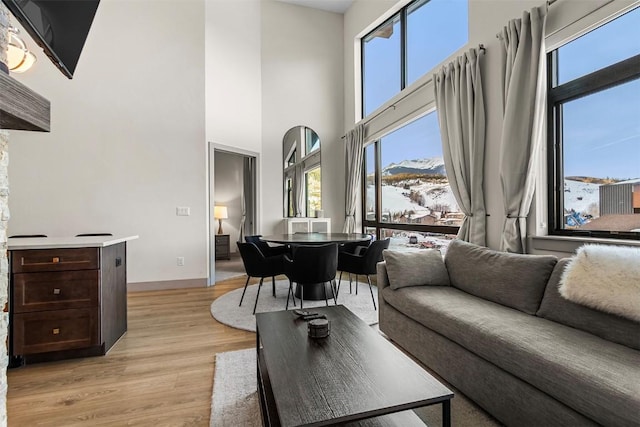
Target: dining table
x,y
315,293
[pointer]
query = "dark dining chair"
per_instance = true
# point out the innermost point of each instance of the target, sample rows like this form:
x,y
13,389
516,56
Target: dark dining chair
x,y
264,247
268,250
355,248
312,265
258,265
363,263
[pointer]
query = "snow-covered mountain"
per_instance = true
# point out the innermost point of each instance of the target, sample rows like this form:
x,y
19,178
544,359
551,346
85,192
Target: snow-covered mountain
x,y
434,165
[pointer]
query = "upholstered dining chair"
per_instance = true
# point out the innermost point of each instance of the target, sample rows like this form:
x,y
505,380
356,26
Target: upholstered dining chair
x,y
363,263
264,247
268,250
355,248
258,265
312,265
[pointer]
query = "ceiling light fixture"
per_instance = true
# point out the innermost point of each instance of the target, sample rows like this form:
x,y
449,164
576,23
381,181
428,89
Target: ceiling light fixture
x,y
19,58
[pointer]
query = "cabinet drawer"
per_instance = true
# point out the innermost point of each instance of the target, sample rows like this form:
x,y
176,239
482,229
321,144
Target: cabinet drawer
x,y
55,290
45,331
222,240
36,260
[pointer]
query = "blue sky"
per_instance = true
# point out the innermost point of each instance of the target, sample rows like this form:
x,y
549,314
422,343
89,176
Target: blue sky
x,y
601,132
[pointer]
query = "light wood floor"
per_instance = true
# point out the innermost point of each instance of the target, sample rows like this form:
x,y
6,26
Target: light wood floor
x,y
160,373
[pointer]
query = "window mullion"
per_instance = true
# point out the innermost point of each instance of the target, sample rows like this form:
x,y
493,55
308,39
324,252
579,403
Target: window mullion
x,y
403,48
378,189
613,75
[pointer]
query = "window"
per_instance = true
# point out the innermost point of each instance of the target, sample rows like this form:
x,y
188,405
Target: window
x,y
408,196
313,185
408,45
302,177
594,139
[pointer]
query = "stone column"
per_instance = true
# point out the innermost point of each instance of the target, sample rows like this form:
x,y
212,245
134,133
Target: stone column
x,y
4,219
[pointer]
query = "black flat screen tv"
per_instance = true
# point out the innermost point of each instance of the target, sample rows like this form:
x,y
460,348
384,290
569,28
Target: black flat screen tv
x,y
60,27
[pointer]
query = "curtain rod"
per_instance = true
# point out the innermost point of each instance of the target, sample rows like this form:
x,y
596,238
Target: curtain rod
x,y
480,46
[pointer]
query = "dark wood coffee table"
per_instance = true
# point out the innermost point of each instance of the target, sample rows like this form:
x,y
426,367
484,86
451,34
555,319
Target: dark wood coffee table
x,y
354,374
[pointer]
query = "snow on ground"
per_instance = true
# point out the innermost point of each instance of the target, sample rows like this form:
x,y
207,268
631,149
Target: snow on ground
x,y
437,194
400,242
396,199
580,196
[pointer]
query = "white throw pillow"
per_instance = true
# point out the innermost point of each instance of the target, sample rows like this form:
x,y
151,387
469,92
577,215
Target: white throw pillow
x,y
606,278
425,267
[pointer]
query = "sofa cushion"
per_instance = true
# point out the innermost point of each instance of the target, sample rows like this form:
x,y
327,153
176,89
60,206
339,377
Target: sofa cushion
x,y
593,376
515,280
608,326
425,267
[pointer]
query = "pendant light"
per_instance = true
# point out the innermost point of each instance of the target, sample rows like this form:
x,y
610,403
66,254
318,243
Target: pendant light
x,y
19,58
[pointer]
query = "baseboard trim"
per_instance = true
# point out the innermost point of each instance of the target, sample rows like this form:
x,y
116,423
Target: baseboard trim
x,y
167,284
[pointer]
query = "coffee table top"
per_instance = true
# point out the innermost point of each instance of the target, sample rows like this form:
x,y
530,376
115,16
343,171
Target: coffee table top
x,y
353,374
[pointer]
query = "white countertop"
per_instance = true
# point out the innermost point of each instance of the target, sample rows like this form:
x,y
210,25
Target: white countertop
x,y
65,242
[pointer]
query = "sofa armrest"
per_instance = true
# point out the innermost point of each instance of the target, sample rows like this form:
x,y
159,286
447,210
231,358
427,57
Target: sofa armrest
x,y
382,280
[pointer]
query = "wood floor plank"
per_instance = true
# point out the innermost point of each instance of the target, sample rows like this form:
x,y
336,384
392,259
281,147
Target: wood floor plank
x,y
159,374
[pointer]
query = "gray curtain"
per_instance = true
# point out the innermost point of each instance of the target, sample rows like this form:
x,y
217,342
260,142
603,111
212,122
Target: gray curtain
x,y
354,145
247,198
524,97
460,106
298,191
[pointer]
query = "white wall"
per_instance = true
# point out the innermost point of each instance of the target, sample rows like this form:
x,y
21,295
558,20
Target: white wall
x,y
156,82
127,144
233,73
228,192
302,84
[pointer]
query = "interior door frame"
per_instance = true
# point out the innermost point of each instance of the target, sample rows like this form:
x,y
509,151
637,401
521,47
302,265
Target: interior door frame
x,y
211,222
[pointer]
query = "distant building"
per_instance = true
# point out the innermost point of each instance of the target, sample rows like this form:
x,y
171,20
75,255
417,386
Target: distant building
x,y
621,198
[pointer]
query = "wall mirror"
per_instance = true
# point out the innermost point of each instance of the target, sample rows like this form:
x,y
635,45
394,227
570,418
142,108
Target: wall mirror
x,y
302,172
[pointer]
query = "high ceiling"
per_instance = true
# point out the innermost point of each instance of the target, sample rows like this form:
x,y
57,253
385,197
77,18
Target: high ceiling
x,y
337,6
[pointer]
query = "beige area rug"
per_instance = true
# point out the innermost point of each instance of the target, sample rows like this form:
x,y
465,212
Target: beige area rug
x,y
225,309
235,397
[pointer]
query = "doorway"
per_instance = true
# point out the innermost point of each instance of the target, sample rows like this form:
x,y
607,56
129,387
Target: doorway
x,y
232,208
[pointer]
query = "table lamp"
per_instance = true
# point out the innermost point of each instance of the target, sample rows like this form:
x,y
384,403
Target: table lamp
x,y
220,213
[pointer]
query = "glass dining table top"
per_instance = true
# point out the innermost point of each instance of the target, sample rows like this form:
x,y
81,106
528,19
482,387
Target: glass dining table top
x,y
316,238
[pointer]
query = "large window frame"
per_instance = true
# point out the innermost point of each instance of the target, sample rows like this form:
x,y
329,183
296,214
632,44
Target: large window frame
x,y
605,78
402,17
377,223
299,157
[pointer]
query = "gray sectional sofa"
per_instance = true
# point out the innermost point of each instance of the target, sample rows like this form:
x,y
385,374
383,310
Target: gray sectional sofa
x,y
501,333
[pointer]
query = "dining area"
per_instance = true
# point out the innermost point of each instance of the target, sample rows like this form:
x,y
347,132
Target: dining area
x,y
311,263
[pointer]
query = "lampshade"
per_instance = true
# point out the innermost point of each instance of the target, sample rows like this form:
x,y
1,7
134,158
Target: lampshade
x,y
19,58
220,212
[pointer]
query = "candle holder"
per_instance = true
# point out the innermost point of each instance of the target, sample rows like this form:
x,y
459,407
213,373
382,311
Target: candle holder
x,y
318,328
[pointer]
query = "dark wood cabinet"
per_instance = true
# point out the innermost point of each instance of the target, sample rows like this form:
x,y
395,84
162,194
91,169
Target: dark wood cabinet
x,y
222,246
68,302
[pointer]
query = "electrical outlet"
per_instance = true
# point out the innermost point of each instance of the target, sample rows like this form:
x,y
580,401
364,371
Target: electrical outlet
x,y
180,261
183,211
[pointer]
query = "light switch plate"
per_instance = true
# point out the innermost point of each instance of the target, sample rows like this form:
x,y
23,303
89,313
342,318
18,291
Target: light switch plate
x,y
183,211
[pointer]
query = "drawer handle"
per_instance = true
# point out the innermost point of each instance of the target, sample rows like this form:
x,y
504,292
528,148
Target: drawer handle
x,y
56,331
56,291
56,260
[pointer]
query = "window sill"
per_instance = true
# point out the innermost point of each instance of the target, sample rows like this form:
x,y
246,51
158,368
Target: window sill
x,y
569,244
